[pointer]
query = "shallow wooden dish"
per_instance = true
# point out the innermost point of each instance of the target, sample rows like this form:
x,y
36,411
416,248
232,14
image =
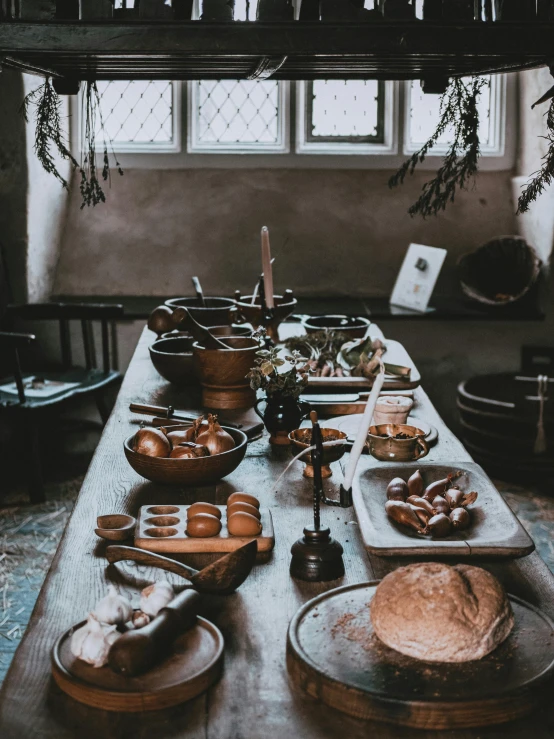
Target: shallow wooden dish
x,y
333,655
194,665
494,532
172,358
216,312
161,528
115,526
188,472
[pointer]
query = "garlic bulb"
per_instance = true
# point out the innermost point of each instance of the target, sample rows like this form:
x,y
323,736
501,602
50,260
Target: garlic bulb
x,y
113,608
155,597
140,619
92,642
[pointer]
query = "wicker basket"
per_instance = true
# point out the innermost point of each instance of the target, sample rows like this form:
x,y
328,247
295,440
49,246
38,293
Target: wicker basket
x,y
500,272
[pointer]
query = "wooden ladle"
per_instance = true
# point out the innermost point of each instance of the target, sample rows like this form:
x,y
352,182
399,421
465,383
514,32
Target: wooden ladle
x,y
220,578
182,317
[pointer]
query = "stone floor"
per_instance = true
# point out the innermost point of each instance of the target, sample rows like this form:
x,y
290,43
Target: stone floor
x,y
29,536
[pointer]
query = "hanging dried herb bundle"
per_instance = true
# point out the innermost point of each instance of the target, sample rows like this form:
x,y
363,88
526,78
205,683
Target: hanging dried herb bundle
x,y
48,133
459,112
49,138
545,176
91,190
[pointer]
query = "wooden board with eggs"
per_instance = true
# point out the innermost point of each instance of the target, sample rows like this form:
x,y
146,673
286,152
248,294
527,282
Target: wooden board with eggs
x,y
204,527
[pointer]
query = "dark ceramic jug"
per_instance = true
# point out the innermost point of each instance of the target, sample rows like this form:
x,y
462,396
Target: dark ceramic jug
x,y
282,414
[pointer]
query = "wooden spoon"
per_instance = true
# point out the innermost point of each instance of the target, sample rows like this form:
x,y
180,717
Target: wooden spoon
x,y
198,290
199,332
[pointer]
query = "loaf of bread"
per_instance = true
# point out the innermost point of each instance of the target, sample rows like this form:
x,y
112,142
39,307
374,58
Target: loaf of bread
x,y
438,613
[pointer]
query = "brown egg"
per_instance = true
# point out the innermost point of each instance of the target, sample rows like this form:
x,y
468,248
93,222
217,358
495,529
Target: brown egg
x,y
241,507
203,525
196,508
243,498
243,524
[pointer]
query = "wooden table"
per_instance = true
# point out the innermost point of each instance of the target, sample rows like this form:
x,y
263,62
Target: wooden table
x,y
253,700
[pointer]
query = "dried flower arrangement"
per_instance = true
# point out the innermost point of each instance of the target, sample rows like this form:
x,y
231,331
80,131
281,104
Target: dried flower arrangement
x,y
266,376
49,139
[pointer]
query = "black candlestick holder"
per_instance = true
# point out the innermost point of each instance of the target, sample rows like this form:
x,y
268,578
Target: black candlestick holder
x,y
317,557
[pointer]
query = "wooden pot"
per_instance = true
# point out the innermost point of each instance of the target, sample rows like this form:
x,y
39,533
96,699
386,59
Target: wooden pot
x,y
223,373
216,312
388,449
253,313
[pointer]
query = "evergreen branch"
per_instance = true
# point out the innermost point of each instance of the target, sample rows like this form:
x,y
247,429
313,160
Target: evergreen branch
x,y
459,111
545,176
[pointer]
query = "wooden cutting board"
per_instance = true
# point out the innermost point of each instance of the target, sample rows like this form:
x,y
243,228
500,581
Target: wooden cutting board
x,y
395,354
162,529
334,656
195,664
494,532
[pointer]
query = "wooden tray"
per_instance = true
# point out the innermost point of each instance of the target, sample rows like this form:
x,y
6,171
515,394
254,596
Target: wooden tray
x,y
194,665
344,403
334,656
494,532
180,542
395,354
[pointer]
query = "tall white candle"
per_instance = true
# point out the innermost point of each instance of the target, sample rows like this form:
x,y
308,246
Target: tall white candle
x,y
358,446
267,268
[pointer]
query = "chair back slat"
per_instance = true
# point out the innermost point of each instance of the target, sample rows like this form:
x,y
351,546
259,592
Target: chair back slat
x,y
18,377
105,346
65,343
88,344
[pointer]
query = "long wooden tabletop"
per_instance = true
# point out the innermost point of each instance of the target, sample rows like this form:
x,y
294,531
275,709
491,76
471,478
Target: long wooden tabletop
x,y
253,699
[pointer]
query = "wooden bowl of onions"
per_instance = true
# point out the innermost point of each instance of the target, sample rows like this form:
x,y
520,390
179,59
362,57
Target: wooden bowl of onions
x,y
186,455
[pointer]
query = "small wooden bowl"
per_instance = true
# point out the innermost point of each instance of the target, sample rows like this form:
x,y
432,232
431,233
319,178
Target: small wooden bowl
x,y
115,526
216,312
354,326
172,359
300,439
188,472
388,449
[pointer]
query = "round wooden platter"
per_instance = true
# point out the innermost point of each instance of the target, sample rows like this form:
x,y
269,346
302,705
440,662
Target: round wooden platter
x,y
334,656
194,665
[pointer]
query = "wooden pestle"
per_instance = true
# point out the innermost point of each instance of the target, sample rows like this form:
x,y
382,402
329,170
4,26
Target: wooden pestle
x,y
182,316
198,291
138,650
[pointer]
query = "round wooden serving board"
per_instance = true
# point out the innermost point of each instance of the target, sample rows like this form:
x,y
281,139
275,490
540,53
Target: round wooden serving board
x,y
334,656
194,665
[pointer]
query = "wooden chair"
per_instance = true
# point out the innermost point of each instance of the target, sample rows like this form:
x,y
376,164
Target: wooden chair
x,y
28,410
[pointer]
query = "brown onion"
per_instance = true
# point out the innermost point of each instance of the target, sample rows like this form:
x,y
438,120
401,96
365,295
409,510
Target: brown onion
x,y
151,442
421,513
469,499
441,505
189,450
179,437
439,526
403,514
440,486
415,484
397,489
460,519
215,439
421,503
454,497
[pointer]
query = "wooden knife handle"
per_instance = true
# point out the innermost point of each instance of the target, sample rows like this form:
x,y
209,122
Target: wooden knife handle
x,y
138,650
119,553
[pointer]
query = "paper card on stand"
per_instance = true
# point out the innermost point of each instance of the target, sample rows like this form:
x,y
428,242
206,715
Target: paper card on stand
x,y
417,277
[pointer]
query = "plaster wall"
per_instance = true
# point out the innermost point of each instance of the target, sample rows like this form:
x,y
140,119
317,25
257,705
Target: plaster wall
x,y
333,232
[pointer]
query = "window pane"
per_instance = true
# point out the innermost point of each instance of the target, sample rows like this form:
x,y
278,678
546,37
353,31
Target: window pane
x,y
345,110
237,112
138,112
424,117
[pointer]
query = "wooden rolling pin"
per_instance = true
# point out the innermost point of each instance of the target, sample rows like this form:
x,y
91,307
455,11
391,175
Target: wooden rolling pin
x,y
138,650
